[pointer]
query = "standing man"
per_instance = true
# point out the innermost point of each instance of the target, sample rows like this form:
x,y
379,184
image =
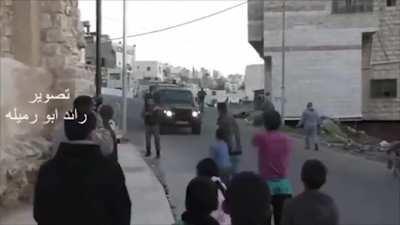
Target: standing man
x,y
310,120
151,116
201,96
230,128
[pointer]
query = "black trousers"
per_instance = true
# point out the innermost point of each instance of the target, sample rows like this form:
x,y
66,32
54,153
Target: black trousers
x,y
278,202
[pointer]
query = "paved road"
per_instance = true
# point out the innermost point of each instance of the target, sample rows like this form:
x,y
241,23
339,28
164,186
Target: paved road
x,y
364,191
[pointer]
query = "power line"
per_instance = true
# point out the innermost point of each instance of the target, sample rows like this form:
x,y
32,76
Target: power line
x,y
184,23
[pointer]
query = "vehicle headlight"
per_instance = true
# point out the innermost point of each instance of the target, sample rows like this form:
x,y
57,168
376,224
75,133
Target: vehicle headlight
x,y
168,113
195,114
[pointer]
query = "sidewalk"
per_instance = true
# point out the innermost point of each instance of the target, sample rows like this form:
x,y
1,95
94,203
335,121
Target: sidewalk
x,y
149,203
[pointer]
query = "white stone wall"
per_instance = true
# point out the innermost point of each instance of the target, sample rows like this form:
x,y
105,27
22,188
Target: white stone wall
x,y
323,56
332,83
254,79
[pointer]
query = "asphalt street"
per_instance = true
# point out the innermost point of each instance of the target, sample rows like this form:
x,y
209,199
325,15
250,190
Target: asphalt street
x,y
364,190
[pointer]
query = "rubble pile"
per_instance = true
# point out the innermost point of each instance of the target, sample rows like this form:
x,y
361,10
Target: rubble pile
x,y
336,134
19,164
333,133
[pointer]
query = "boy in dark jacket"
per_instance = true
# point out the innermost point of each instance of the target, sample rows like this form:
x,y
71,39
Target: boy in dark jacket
x,y
79,185
312,206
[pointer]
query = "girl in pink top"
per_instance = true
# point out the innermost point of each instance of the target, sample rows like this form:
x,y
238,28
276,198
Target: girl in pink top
x,y
274,149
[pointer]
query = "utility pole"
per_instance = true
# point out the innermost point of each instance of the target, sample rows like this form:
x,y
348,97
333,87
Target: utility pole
x,y
283,96
124,80
98,78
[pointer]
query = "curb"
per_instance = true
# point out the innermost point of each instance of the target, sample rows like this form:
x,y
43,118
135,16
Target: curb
x,y
150,205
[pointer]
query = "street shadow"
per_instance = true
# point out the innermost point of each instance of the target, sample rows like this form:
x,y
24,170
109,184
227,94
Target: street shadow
x,y
181,131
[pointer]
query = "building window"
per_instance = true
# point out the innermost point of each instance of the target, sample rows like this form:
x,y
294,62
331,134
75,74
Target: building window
x,y
148,68
385,88
115,76
352,6
390,3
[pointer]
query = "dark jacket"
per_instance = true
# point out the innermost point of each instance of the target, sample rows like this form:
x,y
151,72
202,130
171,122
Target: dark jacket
x,y
232,133
310,207
151,114
82,187
201,95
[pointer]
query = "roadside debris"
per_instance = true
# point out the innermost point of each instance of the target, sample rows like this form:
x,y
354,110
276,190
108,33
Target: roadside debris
x,y
333,133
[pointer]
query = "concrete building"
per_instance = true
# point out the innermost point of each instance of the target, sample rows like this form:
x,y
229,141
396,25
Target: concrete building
x,y
323,52
111,59
148,69
381,65
253,80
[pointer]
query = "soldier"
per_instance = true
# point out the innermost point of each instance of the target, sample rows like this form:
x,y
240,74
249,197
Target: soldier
x,y
151,116
201,95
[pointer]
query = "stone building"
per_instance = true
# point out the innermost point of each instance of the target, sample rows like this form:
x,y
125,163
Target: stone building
x,y
381,65
40,44
323,52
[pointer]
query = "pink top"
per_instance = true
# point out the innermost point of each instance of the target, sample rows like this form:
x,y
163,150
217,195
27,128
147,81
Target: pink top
x,y
274,149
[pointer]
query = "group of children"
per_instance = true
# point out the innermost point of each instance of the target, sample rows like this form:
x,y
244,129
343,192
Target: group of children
x,y
207,193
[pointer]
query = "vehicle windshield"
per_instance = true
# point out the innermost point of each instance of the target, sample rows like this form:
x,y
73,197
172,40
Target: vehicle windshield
x,y
174,97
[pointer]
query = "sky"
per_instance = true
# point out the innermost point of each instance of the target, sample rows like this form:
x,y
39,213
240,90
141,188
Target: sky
x,y
217,43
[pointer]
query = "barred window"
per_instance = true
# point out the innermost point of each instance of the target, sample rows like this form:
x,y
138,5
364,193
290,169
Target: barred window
x,y
384,88
352,6
390,3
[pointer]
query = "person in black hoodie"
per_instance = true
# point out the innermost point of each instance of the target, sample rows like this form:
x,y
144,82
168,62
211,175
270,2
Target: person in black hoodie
x,y
248,200
79,185
201,200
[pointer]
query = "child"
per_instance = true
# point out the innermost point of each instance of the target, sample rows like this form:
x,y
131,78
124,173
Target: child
x,y
274,148
208,168
248,200
219,152
201,200
312,206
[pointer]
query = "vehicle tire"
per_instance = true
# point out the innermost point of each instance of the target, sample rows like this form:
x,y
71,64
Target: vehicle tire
x,y
196,129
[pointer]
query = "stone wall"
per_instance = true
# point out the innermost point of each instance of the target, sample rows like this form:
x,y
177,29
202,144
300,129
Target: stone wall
x,y
6,16
40,45
384,63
